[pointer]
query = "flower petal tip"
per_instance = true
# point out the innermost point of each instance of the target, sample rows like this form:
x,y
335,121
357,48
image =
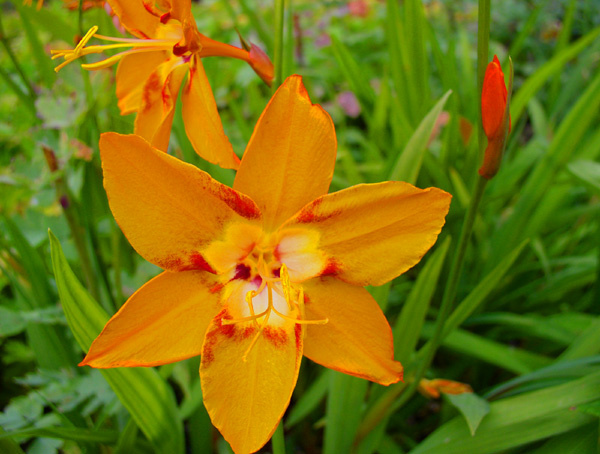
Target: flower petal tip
x,y
261,64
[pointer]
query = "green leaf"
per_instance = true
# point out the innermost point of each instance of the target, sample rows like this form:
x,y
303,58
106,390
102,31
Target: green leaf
x,y
587,172
146,396
408,163
309,400
354,73
583,440
535,82
472,407
407,329
518,420
11,322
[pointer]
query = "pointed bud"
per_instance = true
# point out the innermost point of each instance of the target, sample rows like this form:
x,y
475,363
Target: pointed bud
x,y
261,64
495,116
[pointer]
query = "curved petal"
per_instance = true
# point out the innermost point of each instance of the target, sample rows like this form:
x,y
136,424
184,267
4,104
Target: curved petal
x,y
246,398
164,321
357,339
373,233
137,16
133,68
292,148
169,210
202,121
159,97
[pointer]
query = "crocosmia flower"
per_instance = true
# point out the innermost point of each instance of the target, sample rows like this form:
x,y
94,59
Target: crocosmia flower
x,y
167,47
258,275
494,115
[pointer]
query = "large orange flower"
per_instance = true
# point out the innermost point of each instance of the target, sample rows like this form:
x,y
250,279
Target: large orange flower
x,y
152,69
259,274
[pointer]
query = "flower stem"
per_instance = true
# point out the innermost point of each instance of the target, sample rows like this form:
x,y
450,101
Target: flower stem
x,y
15,61
483,40
278,440
279,37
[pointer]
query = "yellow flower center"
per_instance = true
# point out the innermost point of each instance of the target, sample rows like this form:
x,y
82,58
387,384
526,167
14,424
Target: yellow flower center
x,y
270,297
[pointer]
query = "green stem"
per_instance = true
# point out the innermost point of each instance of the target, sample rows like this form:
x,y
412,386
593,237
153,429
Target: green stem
x,y
15,62
278,441
483,40
278,54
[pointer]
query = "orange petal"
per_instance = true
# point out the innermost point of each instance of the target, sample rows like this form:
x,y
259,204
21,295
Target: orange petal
x,y
493,99
137,16
432,388
246,399
373,233
290,157
169,210
131,70
357,338
202,121
164,321
159,97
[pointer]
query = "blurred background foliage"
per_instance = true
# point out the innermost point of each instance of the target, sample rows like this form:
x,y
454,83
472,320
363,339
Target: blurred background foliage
x,y
525,332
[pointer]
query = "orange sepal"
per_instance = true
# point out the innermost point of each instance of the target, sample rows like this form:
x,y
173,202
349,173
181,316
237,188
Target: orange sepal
x,y
293,148
357,339
164,321
261,64
159,97
372,233
202,121
170,211
132,69
246,399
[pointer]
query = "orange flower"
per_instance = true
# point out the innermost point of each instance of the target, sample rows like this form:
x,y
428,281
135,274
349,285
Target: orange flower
x,y
495,117
433,388
259,274
152,69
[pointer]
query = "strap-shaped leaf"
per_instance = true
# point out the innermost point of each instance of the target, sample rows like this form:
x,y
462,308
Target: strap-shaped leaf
x,y
146,396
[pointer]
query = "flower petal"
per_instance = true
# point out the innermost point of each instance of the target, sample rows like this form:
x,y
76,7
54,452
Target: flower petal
x,y
159,97
290,157
133,68
373,233
164,321
138,17
169,210
493,99
202,121
357,338
246,399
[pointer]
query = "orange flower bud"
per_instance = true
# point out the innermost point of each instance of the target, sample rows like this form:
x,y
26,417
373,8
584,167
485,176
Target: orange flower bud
x,y
494,116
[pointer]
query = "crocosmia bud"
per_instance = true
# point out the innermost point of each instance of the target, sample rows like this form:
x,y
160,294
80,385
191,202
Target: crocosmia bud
x,y
494,116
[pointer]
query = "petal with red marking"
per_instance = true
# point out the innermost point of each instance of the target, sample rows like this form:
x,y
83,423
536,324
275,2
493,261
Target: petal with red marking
x,y
247,398
357,338
169,210
372,233
290,157
133,68
159,97
164,321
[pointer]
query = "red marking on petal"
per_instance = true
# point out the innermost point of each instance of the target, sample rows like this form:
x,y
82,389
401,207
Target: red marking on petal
x,y
152,85
165,18
242,205
298,335
172,263
248,331
277,336
310,214
332,268
242,272
149,7
198,262
216,288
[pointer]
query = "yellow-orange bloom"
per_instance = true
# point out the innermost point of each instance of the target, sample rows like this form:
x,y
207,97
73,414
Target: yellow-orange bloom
x,y
151,70
495,117
262,273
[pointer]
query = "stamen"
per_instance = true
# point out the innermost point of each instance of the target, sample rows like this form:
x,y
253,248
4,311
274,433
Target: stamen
x,y
262,326
300,321
285,284
232,321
